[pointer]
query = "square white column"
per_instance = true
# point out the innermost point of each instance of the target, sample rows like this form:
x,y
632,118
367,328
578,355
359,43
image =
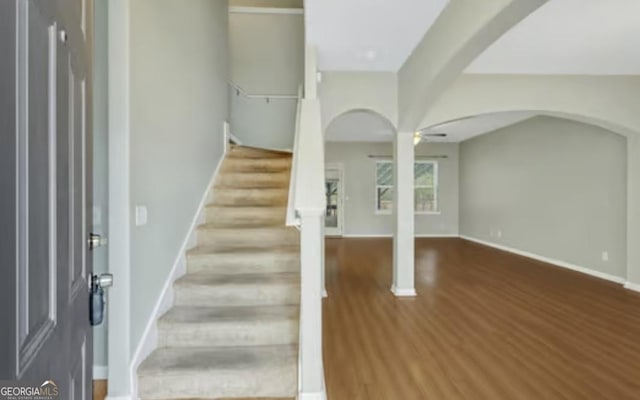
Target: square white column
x,y
403,205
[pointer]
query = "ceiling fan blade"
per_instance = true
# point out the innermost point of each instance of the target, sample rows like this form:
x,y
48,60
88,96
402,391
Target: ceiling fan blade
x,y
434,134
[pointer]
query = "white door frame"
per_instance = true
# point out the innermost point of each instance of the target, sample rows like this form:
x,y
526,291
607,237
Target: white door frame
x,y
339,231
120,373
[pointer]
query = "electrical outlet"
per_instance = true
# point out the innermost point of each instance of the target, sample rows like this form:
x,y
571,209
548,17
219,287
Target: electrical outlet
x,y
499,234
605,256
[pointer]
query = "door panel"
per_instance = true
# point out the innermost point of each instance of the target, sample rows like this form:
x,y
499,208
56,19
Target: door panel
x,y
36,141
45,130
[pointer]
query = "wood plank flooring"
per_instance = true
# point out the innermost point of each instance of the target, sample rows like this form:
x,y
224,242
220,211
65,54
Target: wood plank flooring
x,y
486,325
99,389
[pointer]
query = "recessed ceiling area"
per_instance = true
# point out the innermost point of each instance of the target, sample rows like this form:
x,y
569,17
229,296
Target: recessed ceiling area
x,y
360,126
367,126
368,35
587,37
466,128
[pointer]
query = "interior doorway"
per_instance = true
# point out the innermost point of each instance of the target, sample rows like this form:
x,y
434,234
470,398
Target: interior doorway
x,y
334,192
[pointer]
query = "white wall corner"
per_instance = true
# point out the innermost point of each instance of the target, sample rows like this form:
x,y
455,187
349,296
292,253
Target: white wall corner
x,y
558,263
149,340
632,286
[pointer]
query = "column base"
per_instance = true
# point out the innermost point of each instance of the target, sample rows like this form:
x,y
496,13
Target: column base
x,y
312,396
403,292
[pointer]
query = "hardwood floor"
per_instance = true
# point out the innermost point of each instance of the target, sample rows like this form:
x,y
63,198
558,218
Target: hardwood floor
x,y
99,389
486,325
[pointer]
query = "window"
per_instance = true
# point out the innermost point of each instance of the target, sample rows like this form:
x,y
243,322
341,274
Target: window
x,y
384,186
426,187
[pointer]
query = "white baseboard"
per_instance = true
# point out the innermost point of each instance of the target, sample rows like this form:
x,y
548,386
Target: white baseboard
x,y
438,236
365,235
548,260
100,372
388,235
408,292
632,286
149,340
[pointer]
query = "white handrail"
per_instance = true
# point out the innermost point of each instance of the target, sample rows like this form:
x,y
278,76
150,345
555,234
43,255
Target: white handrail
x,y
240,91
292,220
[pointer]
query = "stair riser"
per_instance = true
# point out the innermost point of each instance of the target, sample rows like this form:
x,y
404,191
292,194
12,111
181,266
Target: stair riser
x,y
244,180
232,165
258,333
270,216
249,197
243,263
272,382
230,295
247,152
239,239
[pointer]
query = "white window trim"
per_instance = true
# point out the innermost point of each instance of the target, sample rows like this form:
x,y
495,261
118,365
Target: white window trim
x,y
436,184
375,189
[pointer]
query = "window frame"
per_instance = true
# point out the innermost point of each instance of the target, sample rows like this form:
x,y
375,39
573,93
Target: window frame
x,y
376,186
436,188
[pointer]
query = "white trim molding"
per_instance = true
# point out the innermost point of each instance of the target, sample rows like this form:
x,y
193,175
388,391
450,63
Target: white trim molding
x,y
390,235
266,10
563,264
410,292
632,286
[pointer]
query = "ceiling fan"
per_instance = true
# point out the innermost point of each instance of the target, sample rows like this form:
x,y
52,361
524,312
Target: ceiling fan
x,y
418,136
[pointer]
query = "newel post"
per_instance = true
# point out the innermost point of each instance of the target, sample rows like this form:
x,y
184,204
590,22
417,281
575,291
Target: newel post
x,y
311,288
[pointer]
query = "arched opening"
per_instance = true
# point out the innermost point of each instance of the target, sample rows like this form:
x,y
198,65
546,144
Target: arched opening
x,y
360,125
548,184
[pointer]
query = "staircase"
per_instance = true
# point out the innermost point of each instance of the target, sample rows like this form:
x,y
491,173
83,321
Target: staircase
x,y
232,332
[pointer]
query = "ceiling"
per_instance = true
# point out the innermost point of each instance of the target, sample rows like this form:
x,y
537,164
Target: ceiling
x,y
360,126
368,35
589,37
366,126
466,128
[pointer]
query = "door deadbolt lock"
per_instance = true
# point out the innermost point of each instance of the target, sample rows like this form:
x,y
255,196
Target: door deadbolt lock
x,y
96,241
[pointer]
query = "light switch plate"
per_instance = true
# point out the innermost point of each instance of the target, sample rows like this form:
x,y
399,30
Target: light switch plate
x,y
141,215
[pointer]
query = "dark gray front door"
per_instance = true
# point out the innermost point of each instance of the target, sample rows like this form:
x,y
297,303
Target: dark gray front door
x,y
45,170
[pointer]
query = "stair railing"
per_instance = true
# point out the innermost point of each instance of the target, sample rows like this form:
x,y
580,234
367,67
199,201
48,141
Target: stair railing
x,y
306,210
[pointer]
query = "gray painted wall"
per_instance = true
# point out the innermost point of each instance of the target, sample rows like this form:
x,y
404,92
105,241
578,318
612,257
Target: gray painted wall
x,y
100,165
267,58
179,73
267,52
553,187
359,185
